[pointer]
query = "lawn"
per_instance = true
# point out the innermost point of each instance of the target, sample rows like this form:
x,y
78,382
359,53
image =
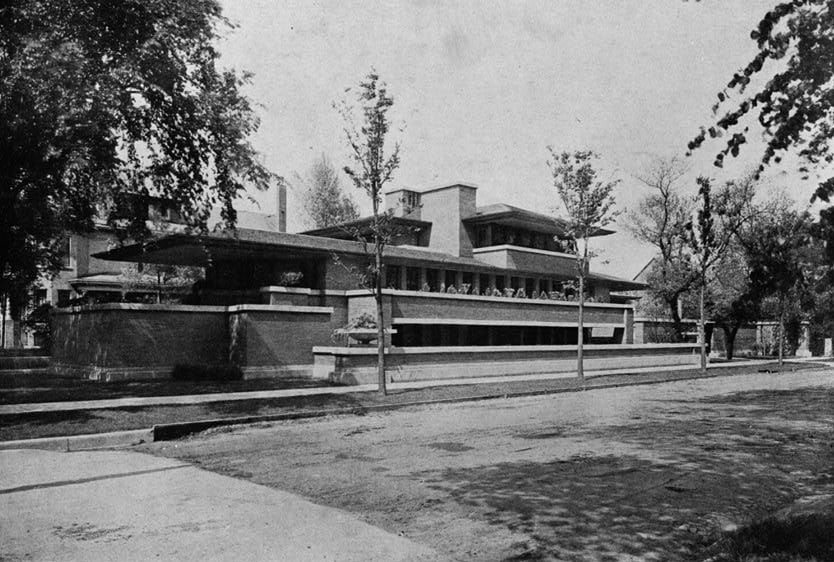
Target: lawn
x,y
78,422
29,388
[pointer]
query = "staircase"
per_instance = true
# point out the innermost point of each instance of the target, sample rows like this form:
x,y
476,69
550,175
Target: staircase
x,y
23,362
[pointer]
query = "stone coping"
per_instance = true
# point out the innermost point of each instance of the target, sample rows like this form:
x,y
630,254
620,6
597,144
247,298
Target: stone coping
x,y
300,291
514,248
280,308
505,300
435,295
109,307
487,322
330,350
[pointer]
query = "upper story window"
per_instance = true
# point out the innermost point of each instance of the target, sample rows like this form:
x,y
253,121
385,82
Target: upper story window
x,y
410,200
65,248
163,211
482,236
499,235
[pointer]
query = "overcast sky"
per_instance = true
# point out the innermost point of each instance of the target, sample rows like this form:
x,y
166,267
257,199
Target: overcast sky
x,y
482,88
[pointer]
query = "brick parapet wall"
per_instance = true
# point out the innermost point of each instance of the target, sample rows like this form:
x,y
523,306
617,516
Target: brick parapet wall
x,y
358,365
132,341
137,341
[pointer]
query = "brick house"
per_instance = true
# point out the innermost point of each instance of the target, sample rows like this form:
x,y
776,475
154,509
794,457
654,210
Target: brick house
x,y
459,278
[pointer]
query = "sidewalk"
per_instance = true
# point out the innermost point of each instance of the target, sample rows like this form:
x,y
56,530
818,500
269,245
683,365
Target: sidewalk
x,y
333,390
117,505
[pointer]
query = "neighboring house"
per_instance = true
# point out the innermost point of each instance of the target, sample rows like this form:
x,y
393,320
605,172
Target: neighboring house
x,y
464,285
87,279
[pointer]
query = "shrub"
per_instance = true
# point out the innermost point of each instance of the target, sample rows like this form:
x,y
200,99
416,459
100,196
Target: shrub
x,y
805,537
365,320
290,278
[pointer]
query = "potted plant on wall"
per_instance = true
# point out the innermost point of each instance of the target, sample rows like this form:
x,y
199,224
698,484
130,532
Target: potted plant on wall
x,y
362,328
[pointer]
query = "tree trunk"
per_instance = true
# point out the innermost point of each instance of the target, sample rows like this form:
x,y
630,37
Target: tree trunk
x,y
730,340
781,335
2,321
702,336
677,324
580,334
380,319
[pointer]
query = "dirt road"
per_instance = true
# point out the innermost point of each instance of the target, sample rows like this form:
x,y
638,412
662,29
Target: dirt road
x,y
639,473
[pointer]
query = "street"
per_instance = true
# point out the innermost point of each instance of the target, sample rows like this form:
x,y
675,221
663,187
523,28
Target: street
x,y
637,473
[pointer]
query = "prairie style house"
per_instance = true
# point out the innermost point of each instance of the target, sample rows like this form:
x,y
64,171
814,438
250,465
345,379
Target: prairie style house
x,y
464,285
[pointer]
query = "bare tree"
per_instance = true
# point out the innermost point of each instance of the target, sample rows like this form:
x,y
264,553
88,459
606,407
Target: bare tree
x,y
590,206
660,220
371,170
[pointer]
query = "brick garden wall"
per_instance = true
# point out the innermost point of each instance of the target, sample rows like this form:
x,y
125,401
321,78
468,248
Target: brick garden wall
x,y
134,342
269,341
358,366
127,341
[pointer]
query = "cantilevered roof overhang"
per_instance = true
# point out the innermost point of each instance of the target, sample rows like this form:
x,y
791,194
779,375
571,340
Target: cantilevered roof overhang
x,y
348,230
515,217
202,250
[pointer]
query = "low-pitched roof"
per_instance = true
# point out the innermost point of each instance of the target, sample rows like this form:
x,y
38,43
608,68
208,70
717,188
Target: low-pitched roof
x,y
241,244
501,213
347,230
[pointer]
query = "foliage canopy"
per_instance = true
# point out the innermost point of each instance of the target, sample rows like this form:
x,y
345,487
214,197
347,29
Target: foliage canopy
x,y
101,101
795,107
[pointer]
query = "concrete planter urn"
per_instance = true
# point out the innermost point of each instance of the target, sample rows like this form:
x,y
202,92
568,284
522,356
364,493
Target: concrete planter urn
x,y
363,335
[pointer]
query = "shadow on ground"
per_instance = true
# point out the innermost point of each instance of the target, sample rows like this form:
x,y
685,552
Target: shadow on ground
x,y
750,455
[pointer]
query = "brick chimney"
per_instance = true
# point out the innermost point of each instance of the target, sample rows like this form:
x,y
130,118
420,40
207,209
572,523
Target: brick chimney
x,y
281,211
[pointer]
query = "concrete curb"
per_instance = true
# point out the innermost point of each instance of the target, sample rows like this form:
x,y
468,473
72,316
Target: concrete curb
x,y
83,442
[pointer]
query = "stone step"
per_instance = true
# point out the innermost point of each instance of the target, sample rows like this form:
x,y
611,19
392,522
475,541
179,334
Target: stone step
x,y
12,372
24,362
21,351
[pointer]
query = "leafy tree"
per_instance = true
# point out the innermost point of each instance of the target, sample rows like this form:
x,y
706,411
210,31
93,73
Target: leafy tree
x,y
589,204
731,299
372,169
821,313
779,248
795,107
102,100
324,201
660,220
